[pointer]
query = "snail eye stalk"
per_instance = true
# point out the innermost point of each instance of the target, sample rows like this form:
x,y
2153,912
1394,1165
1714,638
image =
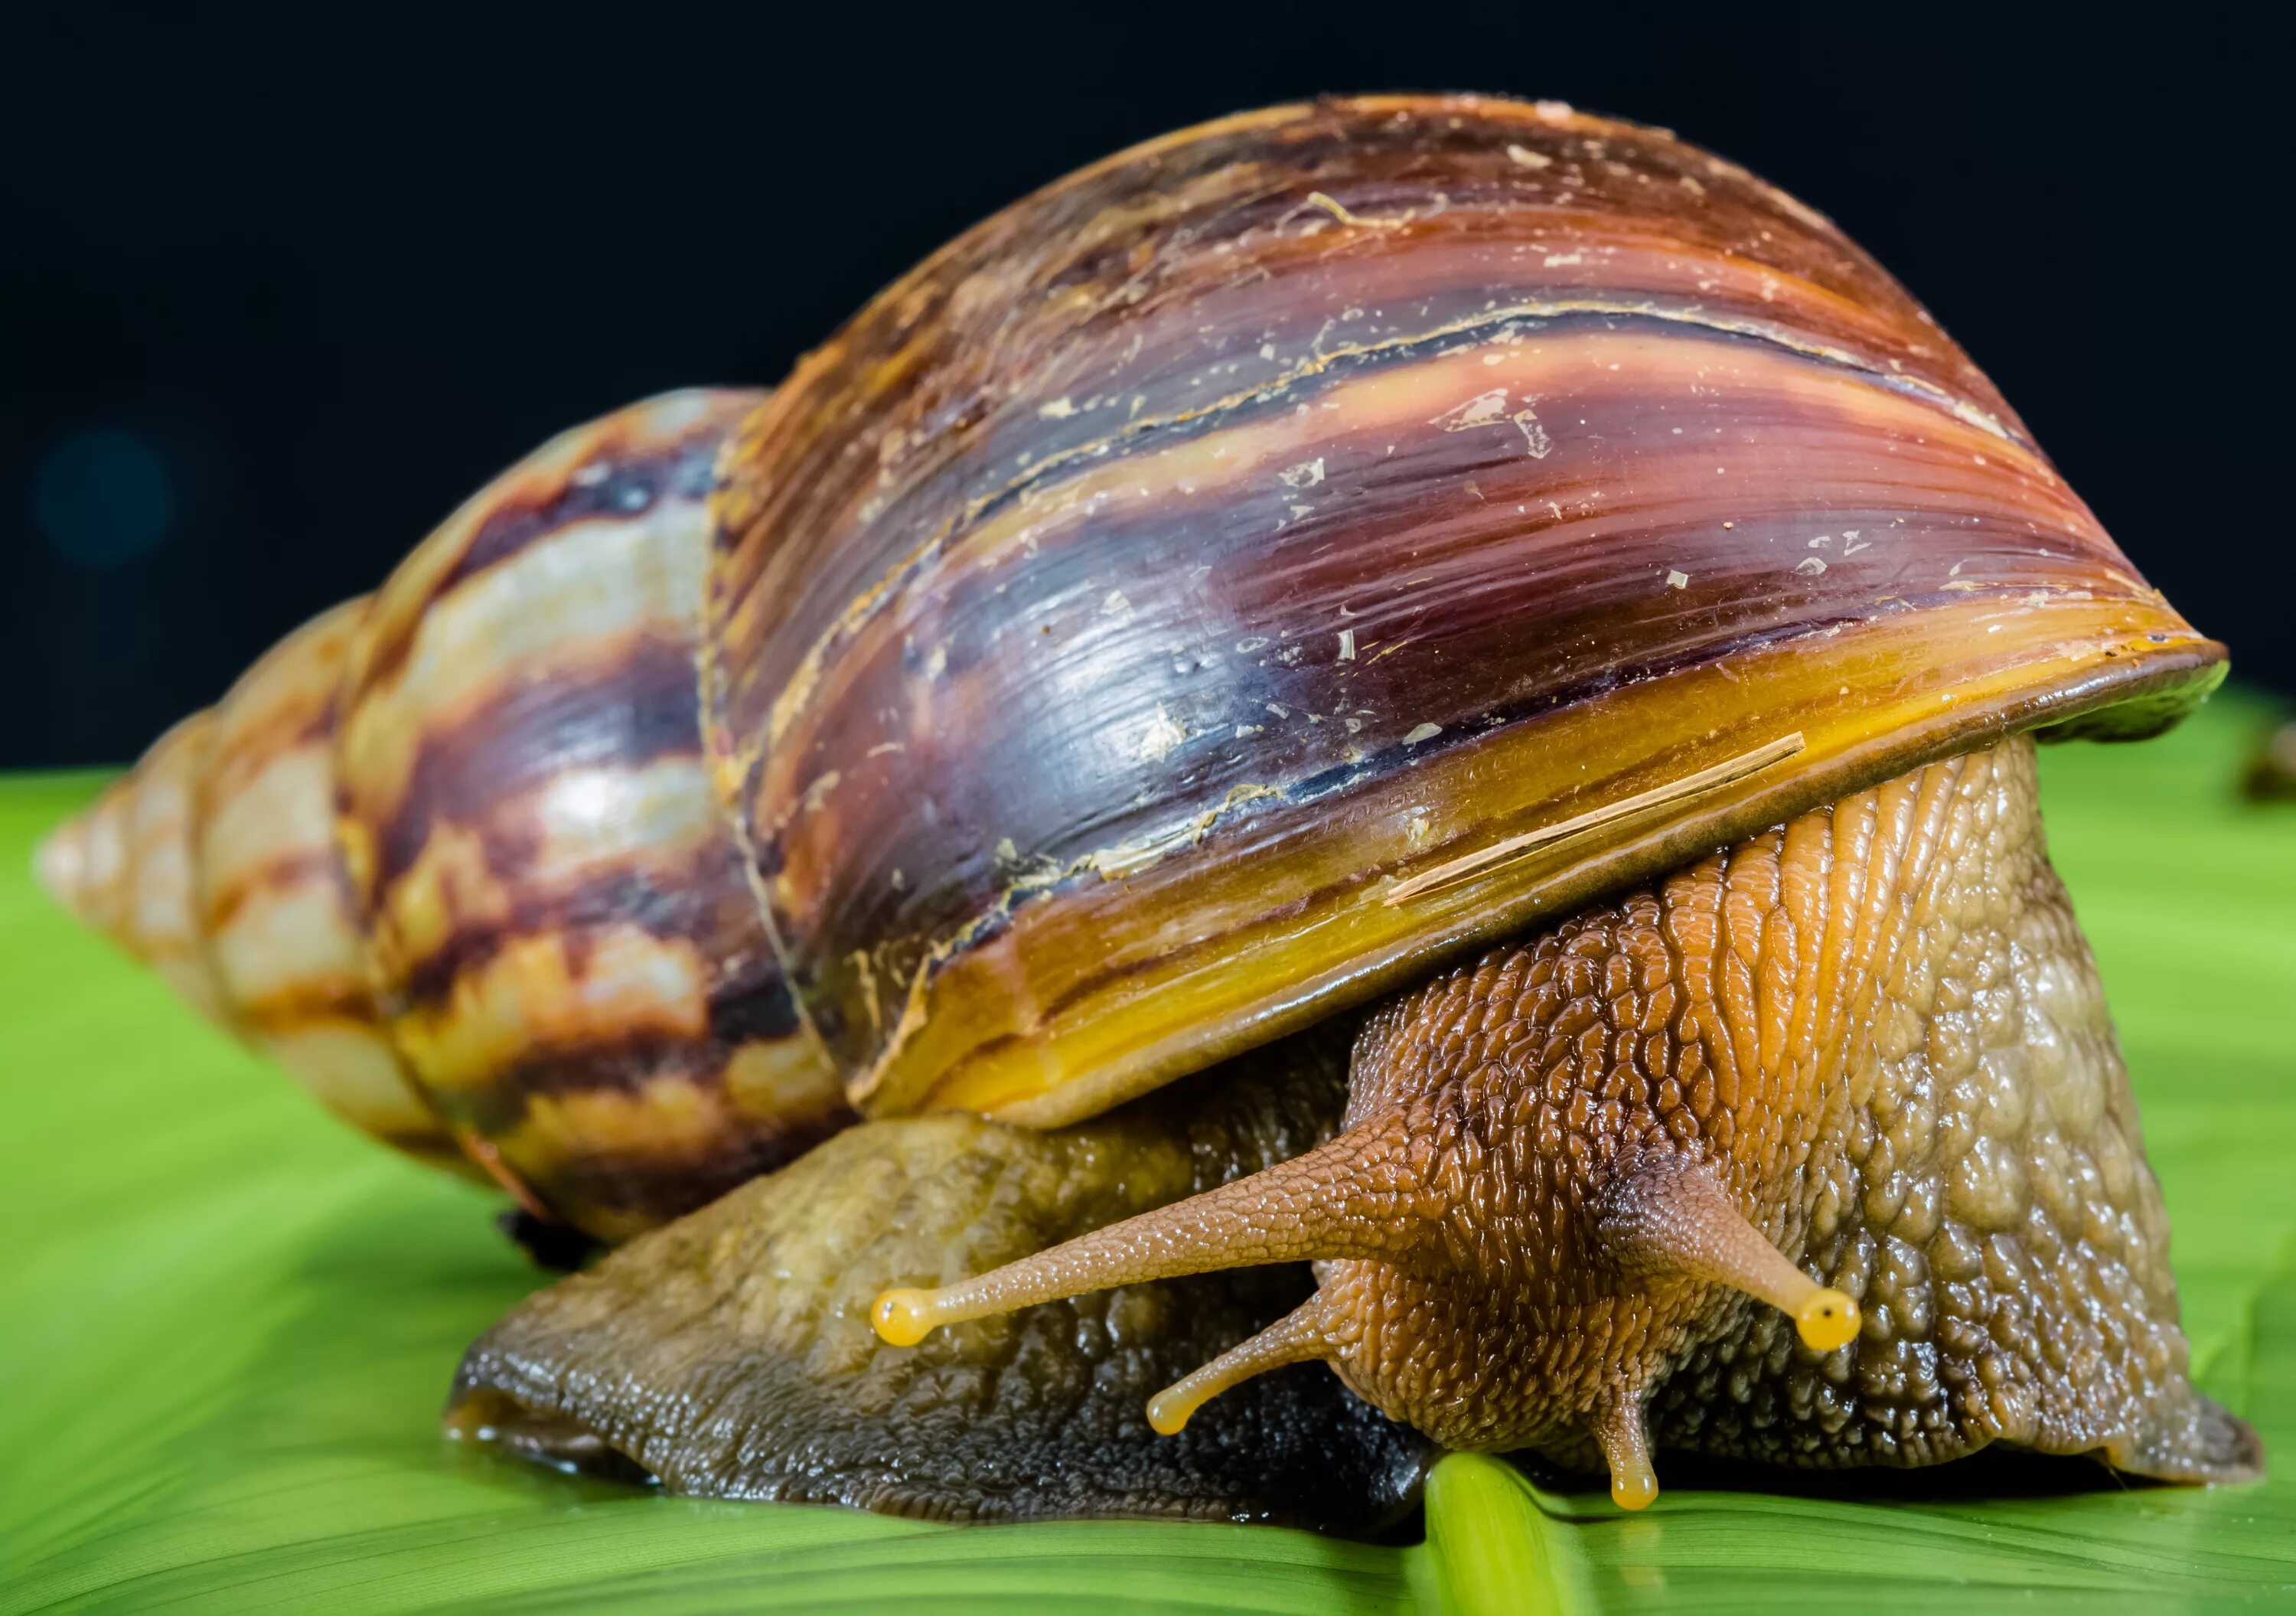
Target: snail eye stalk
x,y
1666,1218
1338,1201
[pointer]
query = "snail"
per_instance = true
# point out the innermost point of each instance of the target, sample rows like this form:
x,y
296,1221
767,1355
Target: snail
x,y
1436,687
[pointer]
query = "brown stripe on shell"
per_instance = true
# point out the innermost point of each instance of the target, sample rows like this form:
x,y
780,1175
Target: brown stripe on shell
x,y
316,999
541,723
443,631
1245,634
658,454
619,481
649,1141
558,919
1195,275
287,950
288,873
1123,599
159,921
583,972
588,847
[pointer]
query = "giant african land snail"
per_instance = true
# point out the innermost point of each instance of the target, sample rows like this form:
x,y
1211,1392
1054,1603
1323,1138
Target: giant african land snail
x,y
1500,570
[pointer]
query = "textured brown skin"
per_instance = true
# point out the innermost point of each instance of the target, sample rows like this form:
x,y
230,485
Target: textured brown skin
x,y
730,1354
1880,1028
1123,601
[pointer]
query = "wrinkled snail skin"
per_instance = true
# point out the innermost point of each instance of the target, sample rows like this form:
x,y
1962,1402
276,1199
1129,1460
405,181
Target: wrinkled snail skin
x,y
1498,586
1574,1170
451,854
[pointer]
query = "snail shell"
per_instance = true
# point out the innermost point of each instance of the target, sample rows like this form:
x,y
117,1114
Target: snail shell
x,y
1295,554
1134,601
279,939
452,855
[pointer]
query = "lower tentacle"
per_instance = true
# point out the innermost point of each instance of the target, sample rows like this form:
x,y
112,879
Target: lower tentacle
x,y
1296,1338
1624,1437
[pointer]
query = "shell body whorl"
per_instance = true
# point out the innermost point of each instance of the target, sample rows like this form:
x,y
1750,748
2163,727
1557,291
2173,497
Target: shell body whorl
x,y
1127,603
451,853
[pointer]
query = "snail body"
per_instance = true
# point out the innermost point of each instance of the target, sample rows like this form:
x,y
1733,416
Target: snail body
x,y
1582,1176
1499,588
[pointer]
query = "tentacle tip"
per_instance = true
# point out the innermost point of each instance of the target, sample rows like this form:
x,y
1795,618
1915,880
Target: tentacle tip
x,y
1634,1488
904,1318
1169,1411
1828,1319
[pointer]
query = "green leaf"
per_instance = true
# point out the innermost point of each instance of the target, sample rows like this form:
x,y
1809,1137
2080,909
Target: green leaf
x,y
226,1326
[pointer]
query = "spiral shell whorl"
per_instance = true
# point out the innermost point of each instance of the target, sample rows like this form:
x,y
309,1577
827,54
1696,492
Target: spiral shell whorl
x,y
212,861
125,867
451,853
281,939
555,917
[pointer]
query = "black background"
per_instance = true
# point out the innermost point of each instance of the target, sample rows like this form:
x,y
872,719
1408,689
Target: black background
x,y
317,275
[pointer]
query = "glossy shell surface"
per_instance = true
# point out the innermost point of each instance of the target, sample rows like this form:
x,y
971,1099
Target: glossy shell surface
x,y
285,947
1121,630
452,855
555,917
